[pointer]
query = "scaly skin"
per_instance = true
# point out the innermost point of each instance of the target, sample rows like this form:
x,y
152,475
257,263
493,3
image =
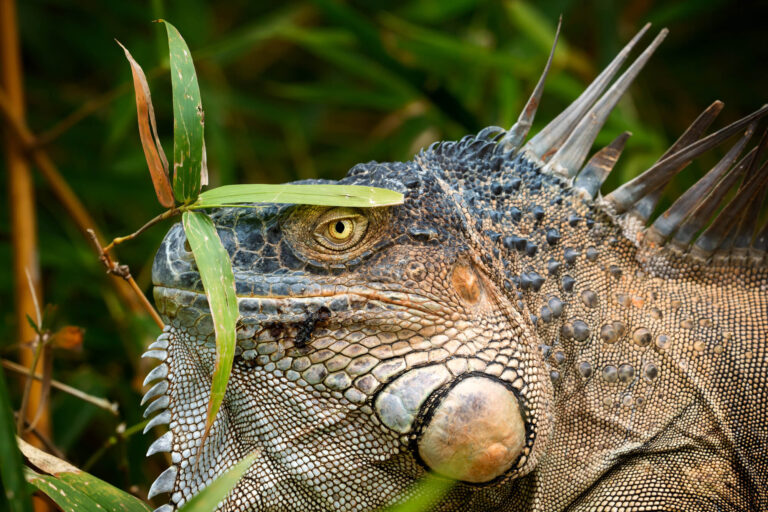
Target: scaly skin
x,y
640,374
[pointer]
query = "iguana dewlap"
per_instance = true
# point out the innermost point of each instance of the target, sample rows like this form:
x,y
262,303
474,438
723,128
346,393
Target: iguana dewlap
x,y
507,328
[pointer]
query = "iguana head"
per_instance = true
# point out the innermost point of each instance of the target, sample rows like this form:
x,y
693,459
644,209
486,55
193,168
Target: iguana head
x,y
378,345
373,345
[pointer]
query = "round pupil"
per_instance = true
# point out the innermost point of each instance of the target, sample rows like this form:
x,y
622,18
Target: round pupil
x,y
339,227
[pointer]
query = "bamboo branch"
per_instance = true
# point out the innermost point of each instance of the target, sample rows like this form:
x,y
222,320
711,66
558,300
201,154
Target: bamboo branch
x,y
46,443
90,107
120,239
123,271
68,199
102,403
21,203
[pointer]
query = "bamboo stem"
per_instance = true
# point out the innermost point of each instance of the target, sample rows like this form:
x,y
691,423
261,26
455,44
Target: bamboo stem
x,y
21,202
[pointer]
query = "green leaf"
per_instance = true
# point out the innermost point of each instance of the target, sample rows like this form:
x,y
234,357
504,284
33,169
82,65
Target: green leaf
x,y
14,487
216,272
32,324
325,195
208,498
74,490
424,494
187,120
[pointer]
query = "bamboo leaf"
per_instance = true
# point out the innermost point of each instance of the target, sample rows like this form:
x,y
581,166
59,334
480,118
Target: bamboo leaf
x,y
208,498
187,120
74,490
216,273
325,195
150,142
14,487
424,495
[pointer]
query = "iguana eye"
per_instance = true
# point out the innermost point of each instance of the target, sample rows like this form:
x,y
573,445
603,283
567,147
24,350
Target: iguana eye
x,y
340,229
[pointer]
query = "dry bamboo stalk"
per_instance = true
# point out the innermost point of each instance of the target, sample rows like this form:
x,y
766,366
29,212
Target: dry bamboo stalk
x,y
22,205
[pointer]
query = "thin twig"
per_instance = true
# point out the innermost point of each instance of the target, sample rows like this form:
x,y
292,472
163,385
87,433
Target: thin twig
x,y
121,434
30,372
120,239
145,301
47,443
82,395
123,271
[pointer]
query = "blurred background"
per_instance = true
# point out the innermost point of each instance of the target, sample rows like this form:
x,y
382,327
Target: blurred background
x,y
304,89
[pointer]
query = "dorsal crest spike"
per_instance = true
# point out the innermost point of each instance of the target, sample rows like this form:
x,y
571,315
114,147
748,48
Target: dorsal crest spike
x,y
570,156
703,209
516,135
592,176
720,233
696,128
625,197
746,230
643,208
669,221
548,140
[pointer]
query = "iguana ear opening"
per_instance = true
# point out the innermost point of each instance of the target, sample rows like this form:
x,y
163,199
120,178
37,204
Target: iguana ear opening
x,y
475,433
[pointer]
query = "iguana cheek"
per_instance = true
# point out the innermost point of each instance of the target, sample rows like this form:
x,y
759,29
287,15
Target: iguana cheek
x,y
476,432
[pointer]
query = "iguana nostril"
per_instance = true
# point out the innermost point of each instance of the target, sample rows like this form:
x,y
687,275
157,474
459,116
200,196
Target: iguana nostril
x,y
476,432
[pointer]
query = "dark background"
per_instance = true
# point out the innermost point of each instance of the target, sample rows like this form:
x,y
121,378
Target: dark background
x,y
302,89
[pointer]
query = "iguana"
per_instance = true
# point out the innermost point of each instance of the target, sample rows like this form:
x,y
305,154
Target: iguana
x,y
507,328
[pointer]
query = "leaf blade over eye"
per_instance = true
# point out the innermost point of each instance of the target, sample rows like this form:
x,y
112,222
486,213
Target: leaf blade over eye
x,y
215,270
321,195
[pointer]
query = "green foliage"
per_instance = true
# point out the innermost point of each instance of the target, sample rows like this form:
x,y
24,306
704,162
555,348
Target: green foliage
x,y
72,489
219,282
76,492
326,195
190,173
424,494
188,145
15,493
207,499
